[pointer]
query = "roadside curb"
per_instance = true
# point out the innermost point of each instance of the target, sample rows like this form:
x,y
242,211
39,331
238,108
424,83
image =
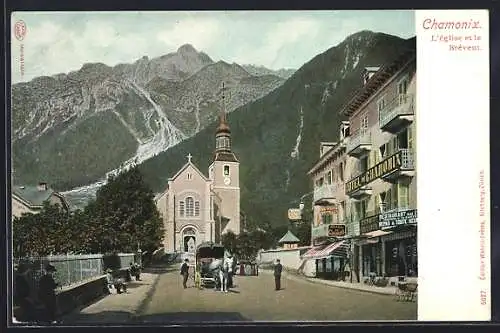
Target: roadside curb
x,y
325,283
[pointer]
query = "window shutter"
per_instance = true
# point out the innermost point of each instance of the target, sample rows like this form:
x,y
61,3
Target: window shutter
x,y
403,195
410,138
395,145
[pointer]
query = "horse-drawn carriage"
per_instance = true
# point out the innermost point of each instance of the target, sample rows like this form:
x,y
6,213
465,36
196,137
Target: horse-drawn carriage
x,y
212,265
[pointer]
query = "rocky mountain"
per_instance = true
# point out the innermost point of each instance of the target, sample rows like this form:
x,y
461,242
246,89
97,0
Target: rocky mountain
x,y
276,138
261,70
72,129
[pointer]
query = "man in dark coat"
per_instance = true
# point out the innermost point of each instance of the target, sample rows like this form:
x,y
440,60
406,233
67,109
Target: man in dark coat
x,y
277,274
185,272
47,293
22,296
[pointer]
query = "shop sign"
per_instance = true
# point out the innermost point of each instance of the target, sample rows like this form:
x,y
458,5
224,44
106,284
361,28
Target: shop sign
x,y
398,218
336,230
383,168
369,224
328,209
294,214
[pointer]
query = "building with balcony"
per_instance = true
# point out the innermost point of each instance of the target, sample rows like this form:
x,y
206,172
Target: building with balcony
x,y
380,187
328,254
328,177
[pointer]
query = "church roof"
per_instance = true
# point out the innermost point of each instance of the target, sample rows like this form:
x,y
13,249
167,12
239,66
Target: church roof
x,y
225,156
189,163
223,127
289,238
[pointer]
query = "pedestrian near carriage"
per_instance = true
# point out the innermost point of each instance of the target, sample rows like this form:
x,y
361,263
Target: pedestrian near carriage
x,y
185,272
277,274
47,293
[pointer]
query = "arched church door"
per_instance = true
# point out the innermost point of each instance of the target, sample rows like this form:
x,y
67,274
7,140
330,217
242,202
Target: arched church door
x,y
189,240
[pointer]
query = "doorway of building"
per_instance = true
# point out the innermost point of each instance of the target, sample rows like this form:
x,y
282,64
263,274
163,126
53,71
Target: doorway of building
x,y
189,240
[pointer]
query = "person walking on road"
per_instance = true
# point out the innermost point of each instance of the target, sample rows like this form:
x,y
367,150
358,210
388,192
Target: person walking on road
x,y
185,272
277,274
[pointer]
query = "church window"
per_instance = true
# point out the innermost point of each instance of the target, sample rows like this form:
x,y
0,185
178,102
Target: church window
x,y
189,176
196,208
189,206
181,208
226,170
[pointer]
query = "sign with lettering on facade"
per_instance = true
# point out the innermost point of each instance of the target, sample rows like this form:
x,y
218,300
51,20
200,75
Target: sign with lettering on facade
x,y
398,218
369,224
381,169
336,230
328,209
294,214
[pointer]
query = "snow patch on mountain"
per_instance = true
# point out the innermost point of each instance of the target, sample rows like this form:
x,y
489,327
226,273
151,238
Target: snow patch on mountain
x,y
166,137
295,151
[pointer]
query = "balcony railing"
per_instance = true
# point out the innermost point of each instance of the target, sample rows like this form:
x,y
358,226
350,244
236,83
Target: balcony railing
x,y
393,115
403,166
359,143
327,191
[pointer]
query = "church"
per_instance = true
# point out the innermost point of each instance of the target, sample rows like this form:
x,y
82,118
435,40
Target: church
x,y
196,208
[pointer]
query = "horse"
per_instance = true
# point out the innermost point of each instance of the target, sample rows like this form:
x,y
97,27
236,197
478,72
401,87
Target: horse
x,y
225,271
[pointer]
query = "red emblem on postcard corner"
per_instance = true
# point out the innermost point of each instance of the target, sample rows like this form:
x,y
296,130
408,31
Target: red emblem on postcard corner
x,y
20,30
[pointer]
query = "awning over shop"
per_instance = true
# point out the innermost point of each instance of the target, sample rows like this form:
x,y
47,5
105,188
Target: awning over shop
x,y
377,233
323,251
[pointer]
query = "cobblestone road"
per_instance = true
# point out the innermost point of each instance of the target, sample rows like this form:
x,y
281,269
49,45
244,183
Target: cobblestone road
x,y
254,299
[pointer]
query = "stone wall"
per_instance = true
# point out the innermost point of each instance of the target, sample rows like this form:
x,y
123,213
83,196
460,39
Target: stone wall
x,y
289,258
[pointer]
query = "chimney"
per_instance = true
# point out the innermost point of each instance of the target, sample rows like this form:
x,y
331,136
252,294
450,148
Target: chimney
x,y
368,72
42,186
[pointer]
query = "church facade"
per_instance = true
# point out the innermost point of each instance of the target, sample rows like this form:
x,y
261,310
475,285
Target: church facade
x,y
197,208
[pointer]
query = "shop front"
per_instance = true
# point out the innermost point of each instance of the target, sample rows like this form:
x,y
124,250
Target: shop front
x,y
330,268
401,258
370,247
330,259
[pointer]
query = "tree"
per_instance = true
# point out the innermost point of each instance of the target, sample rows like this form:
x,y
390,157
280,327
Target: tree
x,y
303,233
229,241
126,209
123,217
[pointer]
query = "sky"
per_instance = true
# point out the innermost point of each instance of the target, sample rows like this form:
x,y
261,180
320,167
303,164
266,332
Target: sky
x,y
60,42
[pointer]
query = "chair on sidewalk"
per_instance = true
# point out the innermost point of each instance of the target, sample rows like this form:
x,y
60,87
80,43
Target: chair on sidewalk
x,y
406,292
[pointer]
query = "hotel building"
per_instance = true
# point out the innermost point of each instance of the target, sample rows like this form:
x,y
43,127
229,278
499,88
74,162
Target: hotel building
x,y
377,153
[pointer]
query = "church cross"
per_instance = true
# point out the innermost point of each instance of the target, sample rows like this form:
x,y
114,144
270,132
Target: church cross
x,y
189,156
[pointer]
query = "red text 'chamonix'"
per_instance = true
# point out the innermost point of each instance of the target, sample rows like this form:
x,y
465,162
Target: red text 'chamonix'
x,y
438,25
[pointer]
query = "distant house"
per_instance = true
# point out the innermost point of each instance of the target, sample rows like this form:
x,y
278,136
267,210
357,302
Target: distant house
x,y
289,241
30,199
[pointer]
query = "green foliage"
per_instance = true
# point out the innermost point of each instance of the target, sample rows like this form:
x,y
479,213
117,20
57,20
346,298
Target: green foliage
x,y
43,233
246,245
123,217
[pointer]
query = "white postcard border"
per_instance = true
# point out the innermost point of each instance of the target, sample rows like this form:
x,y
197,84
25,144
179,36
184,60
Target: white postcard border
x,y
453,165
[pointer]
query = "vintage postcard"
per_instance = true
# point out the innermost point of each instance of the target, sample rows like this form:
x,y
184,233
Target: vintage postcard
x,y
174,167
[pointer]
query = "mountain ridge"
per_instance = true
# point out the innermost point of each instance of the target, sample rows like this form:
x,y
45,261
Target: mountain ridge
x,y
53,115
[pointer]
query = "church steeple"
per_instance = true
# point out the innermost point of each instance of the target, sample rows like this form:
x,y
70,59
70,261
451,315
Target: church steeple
x,y
223,133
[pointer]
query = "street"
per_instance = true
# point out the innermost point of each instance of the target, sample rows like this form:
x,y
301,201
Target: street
x,y
254,299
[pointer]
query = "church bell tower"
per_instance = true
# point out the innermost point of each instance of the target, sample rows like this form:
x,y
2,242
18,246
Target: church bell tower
x,y
225,173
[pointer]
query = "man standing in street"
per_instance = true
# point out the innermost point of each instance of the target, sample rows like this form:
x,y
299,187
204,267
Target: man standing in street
x,y
185,272
277,274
